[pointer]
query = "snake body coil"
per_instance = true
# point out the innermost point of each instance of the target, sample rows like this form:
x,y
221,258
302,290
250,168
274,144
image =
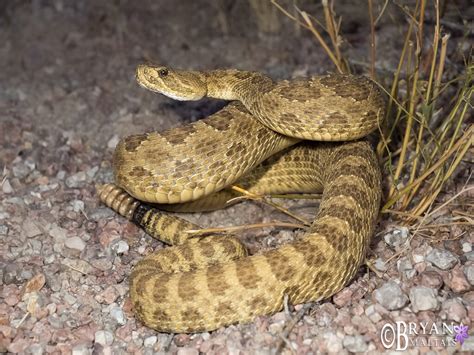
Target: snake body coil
x,y
207,282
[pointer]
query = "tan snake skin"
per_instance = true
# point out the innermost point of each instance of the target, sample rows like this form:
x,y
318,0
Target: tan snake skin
x,y
203,283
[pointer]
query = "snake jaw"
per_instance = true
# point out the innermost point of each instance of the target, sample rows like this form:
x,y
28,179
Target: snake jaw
x,y
176,84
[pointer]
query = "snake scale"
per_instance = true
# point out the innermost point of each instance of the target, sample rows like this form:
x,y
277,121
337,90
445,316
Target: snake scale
x,y
264,140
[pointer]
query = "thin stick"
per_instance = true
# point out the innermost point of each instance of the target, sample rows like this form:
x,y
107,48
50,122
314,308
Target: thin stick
x,y
318,36
308,24
425,118
270,203
243,227
422,221
440,225
381,13
289,327
331,28
372,41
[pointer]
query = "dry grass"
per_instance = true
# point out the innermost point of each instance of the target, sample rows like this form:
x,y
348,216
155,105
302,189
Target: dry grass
x,y
426,134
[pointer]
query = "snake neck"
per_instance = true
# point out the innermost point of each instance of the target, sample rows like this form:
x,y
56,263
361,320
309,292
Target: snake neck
x,y
237,85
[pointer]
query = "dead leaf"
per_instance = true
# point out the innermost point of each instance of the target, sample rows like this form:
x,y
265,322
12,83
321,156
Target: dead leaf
x,y
35,284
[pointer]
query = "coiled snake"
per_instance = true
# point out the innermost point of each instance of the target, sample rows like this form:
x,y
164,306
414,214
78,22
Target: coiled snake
x,y
202,283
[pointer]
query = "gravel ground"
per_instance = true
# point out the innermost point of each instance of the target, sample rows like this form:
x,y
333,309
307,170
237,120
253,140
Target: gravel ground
x,y
67,93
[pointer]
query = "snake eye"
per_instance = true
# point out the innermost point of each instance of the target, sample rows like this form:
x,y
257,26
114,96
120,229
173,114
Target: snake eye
x,y
163,72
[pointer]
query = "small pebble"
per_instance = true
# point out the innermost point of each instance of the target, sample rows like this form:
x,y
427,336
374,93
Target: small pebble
x,y
61,175
118,315
442,258
55,321
104,337
418,258
343,297
30,228
137,339
59,234
150,341
3,229
405,267
75,243
77,205
70,299
7,187
18,345
276,327
423,299
469,272
468,346
49,259
81,349
355,344
108,296
119,246
112,143
391,296
76,180
454,309
181,339
92,171
36,349
380,265
397,237
12,273
372,313
21,170
466,247
431,279
102,264
51,308
456,280
187,351
334,343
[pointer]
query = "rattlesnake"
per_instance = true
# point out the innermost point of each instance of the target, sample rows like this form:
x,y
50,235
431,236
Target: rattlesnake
x,y
203,283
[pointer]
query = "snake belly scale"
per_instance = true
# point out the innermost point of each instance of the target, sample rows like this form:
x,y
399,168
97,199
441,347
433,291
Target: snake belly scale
x,y
263,141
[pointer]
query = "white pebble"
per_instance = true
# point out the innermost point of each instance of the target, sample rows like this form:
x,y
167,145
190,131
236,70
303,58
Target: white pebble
x,y
7,187
119,246
423,299
104,337
355,344
443,259
112,143
81,349
417,258
118,315
75,243
76,180
70,299
150,341
92,171
78,205
58,233
466,247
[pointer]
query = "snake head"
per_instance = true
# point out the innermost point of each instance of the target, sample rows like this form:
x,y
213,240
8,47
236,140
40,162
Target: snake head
x,y
180,85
